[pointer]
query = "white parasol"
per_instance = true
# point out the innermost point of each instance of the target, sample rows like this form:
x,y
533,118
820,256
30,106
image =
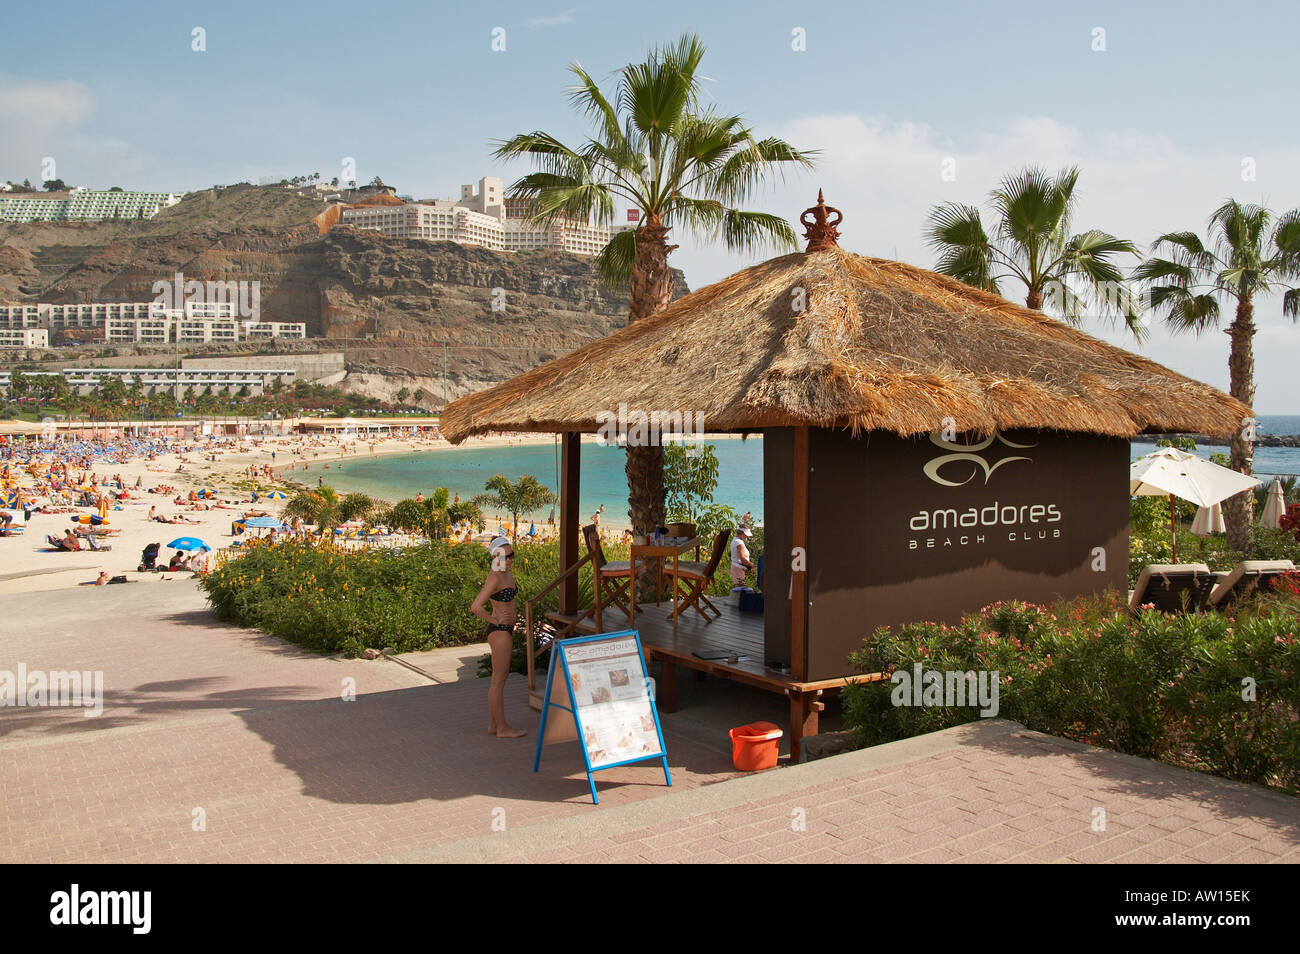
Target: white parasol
x,y
1209,520
1274,506
1172,473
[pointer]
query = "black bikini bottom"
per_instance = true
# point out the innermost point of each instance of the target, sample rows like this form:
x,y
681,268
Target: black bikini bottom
x,y
499,627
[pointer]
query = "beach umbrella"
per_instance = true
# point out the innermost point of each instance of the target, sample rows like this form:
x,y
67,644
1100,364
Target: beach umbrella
x,y
275,495
1172,473
262,522
1209,520
188,543
1274,506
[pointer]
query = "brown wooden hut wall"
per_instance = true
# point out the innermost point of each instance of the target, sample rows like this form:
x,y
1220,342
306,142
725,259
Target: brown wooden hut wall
x,y
868,565
778,521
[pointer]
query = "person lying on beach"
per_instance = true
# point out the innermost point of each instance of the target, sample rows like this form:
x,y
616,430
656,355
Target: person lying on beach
x,y
70,541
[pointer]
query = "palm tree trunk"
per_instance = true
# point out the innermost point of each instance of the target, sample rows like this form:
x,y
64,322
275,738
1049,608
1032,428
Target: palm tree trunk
x,y
651,284
651,288
1034,300
1238,510
645,483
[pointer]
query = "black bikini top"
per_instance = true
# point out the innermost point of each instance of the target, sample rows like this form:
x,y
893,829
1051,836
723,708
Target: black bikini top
x,y
504,596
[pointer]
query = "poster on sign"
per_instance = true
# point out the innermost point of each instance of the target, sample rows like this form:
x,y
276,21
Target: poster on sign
x,y
609,704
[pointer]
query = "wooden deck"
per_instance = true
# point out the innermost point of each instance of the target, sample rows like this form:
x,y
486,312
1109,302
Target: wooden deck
x,y
733,634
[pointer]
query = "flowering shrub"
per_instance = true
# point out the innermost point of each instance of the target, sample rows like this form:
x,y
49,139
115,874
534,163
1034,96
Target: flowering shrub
x,y
332,600
1291,521
1160,686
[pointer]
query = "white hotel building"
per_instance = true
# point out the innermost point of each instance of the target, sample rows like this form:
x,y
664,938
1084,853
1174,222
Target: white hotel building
x,y
479,218
83,205
24,338
148,322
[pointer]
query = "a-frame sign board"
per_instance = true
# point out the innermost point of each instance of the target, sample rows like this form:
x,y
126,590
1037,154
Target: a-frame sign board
x,y
602,698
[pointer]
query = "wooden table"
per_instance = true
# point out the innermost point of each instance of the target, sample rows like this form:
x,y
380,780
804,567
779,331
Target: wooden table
x,y
658,553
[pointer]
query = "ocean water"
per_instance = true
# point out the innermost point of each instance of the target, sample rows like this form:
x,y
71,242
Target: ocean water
x,y
466,470
740,470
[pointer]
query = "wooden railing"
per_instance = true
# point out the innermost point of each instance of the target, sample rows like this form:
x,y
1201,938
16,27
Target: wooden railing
x,y
531,651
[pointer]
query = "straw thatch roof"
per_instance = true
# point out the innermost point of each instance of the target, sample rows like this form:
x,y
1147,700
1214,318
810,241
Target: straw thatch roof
x,y
880,346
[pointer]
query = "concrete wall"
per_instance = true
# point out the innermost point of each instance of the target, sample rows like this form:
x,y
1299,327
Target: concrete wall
x,y
309,367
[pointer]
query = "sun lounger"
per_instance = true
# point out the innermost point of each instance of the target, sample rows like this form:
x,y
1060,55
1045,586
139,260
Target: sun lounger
x,y
1247,577
1173,587
97,547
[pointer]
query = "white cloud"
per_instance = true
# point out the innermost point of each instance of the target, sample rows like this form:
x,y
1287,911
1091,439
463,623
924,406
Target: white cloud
x,y
884,175
557,20
35,115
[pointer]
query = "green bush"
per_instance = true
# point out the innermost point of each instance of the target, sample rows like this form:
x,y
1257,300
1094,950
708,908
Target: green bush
x,y
1160,686
334,600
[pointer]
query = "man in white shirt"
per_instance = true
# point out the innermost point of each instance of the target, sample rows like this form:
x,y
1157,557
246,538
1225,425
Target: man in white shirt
x,y
740,563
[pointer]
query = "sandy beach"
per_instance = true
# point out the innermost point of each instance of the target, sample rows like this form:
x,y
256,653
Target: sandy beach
x,y
28,564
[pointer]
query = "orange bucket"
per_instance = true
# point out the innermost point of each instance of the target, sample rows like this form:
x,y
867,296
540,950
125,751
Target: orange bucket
x,y
754,746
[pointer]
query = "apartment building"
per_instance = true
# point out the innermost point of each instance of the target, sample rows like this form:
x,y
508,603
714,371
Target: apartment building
x,y
83,205
24,338
231,380
148,322
275,329
482,217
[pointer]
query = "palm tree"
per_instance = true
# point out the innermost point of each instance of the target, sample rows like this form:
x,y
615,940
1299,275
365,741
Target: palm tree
x,y
1032,244
676,163
1247,259
524,496
325,508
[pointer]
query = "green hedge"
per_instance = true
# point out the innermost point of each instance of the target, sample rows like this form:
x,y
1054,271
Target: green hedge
x,y
1167,687
331,600
334,600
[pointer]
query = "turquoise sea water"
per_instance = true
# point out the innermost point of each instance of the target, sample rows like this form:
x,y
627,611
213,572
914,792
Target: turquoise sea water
x,y
740,470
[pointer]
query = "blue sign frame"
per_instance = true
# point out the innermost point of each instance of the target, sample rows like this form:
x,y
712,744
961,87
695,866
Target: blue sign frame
x,y
572,708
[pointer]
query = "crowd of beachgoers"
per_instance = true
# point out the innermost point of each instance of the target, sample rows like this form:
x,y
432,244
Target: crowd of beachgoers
x,y
90,510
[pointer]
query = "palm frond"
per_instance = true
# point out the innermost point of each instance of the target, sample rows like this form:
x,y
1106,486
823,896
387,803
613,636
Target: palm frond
x,y
1187,312
1034,211
587,97
614,263
1291,304
751,232
957,233
1286,242
735,179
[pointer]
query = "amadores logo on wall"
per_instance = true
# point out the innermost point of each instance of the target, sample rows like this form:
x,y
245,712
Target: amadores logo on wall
x,y
967,453
968,470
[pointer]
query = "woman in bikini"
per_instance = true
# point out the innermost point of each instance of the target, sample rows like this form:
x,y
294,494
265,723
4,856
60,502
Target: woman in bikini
x,y
499,590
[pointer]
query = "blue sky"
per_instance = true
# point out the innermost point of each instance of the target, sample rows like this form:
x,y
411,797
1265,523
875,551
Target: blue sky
x,y
1160,122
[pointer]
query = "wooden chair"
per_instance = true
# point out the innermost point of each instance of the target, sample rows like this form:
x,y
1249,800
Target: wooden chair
x,y
690,580
612,581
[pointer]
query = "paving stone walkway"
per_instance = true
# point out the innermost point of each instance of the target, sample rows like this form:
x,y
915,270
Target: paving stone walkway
x,y
219,744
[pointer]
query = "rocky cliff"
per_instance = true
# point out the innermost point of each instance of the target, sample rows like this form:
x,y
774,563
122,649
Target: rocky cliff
x,y
396,307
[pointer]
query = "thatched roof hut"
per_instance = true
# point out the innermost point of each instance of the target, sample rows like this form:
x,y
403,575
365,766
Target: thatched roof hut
x,y
855,369
828,338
